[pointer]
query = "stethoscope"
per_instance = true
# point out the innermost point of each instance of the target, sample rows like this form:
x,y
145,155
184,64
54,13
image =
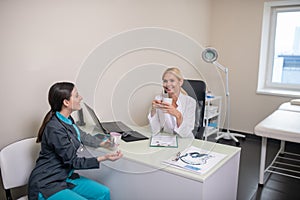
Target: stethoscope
x,y
194,158
81,147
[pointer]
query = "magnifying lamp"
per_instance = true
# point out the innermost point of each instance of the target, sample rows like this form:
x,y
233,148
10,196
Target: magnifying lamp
x,y
210,55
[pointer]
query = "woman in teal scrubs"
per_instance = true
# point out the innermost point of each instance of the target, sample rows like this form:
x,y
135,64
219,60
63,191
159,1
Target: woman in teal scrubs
x,y
53,176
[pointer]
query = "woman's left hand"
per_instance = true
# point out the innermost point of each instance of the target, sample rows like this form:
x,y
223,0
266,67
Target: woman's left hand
x,y
111,156
114,156
169,108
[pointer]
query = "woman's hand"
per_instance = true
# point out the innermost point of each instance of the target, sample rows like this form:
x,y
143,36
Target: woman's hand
x,y
170,109
155,104
106,143
167,108
111,156
114,156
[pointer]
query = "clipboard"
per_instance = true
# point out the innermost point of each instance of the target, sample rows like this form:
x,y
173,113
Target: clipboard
x,y
169,141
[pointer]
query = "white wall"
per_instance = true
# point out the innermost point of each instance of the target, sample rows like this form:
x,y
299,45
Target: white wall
x,y
47,41
236,33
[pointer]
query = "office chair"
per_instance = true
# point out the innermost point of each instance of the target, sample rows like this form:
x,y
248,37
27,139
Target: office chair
x,y
197,90
17,161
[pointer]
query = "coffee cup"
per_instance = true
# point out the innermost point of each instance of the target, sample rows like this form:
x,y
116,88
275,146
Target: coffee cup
x,y
167,100
115,139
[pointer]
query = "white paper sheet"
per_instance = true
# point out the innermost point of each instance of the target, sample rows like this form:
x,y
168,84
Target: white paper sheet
x,y
195,159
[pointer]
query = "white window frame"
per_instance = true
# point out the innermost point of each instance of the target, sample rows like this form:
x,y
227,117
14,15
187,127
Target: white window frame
x,y
265,85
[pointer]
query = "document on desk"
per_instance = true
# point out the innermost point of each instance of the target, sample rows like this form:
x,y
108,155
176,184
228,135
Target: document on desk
x,y
164,141
195,160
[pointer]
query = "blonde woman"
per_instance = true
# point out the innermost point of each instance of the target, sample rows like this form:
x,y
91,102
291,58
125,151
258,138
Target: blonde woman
x,y
176,116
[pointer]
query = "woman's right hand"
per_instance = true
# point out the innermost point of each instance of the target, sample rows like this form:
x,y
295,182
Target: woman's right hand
x,y
155,104
105,143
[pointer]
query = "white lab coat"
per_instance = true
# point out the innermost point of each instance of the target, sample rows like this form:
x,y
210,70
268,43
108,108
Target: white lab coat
x,y
167,123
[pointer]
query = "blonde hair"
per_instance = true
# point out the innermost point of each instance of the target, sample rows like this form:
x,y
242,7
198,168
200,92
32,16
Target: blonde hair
x,y
177,73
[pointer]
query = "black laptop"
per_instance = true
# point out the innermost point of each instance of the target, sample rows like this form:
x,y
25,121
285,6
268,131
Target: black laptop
x,y
128,135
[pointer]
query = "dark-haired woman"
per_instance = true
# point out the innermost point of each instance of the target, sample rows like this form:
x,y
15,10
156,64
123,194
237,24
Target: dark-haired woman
x,y
53,176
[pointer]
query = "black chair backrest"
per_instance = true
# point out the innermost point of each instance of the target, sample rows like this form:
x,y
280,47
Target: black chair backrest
x,y
197,90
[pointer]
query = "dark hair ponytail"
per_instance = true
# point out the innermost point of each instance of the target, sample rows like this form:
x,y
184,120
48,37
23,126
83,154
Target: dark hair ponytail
x,y
56,96
45,121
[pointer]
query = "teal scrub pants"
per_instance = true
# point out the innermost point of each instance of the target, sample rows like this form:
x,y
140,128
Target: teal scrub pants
x,y
85,189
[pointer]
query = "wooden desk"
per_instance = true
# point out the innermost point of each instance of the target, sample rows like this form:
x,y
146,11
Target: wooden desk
x,y
140,174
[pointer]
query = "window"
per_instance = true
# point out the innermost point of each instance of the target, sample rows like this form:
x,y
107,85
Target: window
x,y
279,67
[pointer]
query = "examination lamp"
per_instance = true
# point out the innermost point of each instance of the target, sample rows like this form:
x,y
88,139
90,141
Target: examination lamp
x,y
210,55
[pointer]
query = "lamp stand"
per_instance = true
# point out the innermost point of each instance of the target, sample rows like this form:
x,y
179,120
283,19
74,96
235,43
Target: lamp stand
x,y
227,134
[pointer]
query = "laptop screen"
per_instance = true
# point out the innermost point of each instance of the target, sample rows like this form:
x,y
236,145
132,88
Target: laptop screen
x,y
116,126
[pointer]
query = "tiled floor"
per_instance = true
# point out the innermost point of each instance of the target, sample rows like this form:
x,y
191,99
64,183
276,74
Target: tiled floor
x,y
276,187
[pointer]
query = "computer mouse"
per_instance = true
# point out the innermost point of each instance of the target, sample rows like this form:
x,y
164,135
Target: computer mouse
x,y
126,133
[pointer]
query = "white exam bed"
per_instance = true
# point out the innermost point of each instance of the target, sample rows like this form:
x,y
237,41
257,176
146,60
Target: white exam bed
x,y
283,124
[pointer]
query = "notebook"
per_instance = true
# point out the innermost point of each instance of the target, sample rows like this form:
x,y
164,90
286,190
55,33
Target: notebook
x,y
128,135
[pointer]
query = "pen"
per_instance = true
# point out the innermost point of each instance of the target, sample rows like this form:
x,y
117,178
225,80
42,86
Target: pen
x,y
177,156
